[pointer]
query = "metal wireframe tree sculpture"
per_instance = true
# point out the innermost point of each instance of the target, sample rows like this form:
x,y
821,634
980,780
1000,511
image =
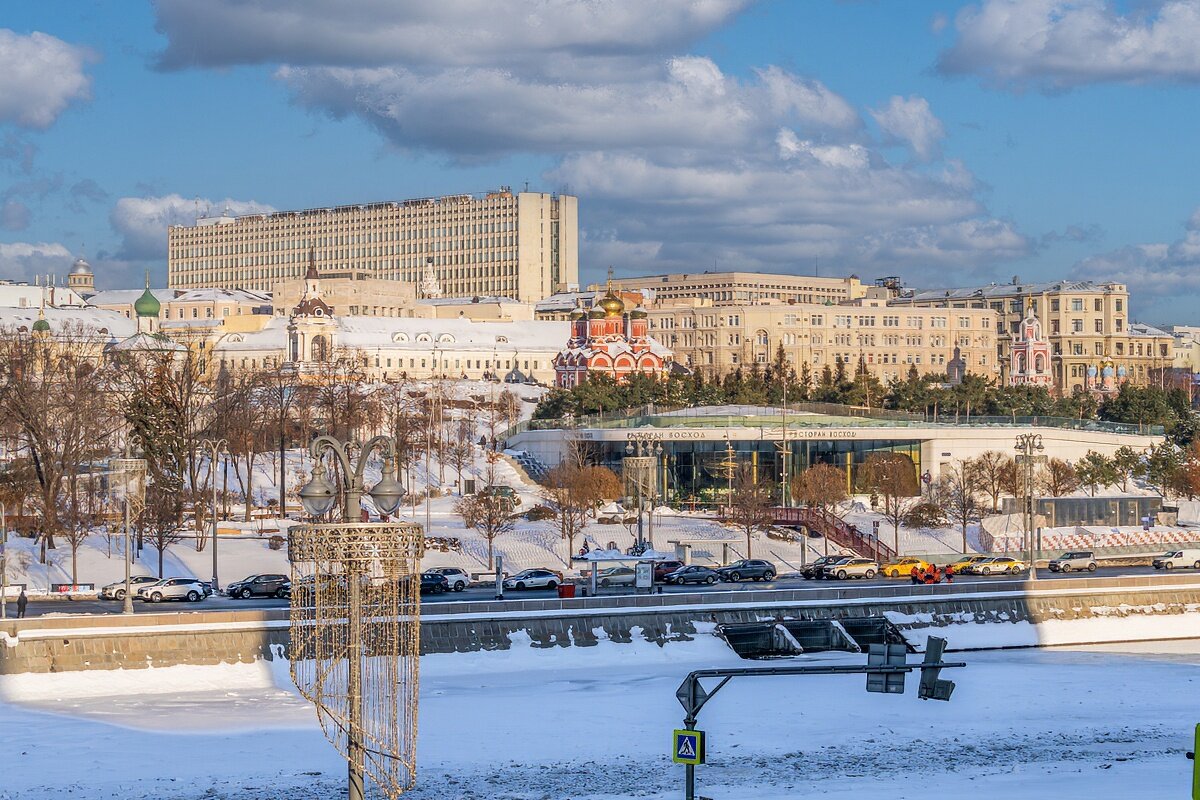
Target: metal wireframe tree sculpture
x,y
355,622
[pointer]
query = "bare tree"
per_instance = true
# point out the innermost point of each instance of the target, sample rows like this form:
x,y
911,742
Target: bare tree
x,y
490,514
992,469
957,493
460,451
52,397
242,421
159,521
751,507
278,392
821,487
893,477
1058,478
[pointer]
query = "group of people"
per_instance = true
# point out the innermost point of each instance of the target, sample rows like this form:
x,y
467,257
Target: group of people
x,y
931,574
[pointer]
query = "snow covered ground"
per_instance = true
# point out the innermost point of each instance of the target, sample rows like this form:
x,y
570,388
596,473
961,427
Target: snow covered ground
x,y
595,724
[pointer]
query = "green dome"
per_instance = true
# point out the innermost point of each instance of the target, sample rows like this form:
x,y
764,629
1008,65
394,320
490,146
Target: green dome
x,y
638,313
41,326
596,313
147,305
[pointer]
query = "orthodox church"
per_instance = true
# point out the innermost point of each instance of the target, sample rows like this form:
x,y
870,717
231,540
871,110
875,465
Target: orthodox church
x,y
610,341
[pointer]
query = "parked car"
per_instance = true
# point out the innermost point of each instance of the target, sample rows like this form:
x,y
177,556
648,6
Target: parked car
x,y
433,583
693,574
171,589
1075,560
817,568
116,591
1177,559
616,576
752,568
664,568
533,579
272,585
964,565
997,565
457,578
903,567
852,568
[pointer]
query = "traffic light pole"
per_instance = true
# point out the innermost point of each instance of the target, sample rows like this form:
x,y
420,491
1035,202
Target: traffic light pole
x,y
692,695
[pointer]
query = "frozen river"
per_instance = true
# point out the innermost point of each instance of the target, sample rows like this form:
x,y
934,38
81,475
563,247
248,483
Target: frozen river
x,y
1083,722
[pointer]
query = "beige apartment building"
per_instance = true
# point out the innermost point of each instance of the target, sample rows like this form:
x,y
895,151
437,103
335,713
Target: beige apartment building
x,y
889,340
746,287
523,245
1086,323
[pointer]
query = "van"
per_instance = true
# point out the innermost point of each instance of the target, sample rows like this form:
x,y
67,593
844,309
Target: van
x,y
1177,559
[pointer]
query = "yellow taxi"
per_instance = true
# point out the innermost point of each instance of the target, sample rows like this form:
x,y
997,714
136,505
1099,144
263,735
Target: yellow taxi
x,y
902,567
966,564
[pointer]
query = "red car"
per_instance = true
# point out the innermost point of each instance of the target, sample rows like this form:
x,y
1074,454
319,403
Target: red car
x,y
664,568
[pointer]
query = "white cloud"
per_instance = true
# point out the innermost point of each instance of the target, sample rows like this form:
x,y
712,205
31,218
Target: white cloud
x,y
908,120
21,260
687,103
1063,43
1155,272
543,35
142,221
783,214
40,76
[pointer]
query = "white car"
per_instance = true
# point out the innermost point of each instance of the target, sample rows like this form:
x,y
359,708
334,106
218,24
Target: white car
x,y
456,577
116,591
533,579
854,568
188,589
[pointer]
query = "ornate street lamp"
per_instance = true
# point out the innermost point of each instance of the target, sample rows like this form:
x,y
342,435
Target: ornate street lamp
x,y
355,618
214,449
640,465
1029,446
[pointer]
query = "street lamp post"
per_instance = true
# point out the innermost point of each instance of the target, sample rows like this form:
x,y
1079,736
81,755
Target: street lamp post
x,y
132,472
3,561
1029,448
318,497
641,461
214,449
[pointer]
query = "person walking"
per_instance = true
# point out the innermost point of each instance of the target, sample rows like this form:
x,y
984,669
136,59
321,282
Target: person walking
x,y
915,575
22,602
949,573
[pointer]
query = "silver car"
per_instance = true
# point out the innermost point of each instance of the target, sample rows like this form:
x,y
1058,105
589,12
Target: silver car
x,y
616,576
188,589
1075,560
116,591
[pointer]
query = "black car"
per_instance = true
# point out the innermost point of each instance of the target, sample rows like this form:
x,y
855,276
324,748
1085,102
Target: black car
x,y
433,583
748,568
693,574
816,569
260,586
456,577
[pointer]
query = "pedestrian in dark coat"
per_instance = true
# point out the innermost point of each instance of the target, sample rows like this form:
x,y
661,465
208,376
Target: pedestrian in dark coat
x,y
22,601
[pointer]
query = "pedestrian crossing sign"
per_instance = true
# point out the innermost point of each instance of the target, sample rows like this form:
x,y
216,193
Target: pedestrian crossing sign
x,y
688,747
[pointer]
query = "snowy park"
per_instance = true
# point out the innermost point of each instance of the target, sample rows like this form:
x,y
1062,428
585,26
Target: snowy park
x,y
595,723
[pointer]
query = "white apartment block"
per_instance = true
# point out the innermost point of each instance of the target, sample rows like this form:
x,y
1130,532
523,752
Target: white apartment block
x,y
523,245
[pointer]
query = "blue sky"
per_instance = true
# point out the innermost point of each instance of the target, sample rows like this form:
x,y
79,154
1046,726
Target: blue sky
x,y
950,143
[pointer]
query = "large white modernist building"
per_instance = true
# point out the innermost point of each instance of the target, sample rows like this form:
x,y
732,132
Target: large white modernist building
x,y
699,444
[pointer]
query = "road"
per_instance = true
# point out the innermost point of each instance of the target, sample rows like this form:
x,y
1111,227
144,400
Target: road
x,y
477,594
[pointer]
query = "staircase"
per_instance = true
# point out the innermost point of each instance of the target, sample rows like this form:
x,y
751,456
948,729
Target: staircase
x,y
533,466
836,531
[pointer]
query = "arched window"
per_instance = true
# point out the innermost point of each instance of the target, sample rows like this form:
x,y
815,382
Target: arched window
x,y
320,349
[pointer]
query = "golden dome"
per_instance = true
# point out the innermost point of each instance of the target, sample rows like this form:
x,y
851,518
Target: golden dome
x,y
612,305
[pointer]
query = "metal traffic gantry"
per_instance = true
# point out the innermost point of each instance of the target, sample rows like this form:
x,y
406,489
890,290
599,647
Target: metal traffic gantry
x,y
885,671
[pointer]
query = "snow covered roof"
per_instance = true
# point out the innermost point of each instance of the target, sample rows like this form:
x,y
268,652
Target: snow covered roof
x,y
273,336
143,342
1000,290
126,297
1142,329
564,301
459,301
223,296
98,319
